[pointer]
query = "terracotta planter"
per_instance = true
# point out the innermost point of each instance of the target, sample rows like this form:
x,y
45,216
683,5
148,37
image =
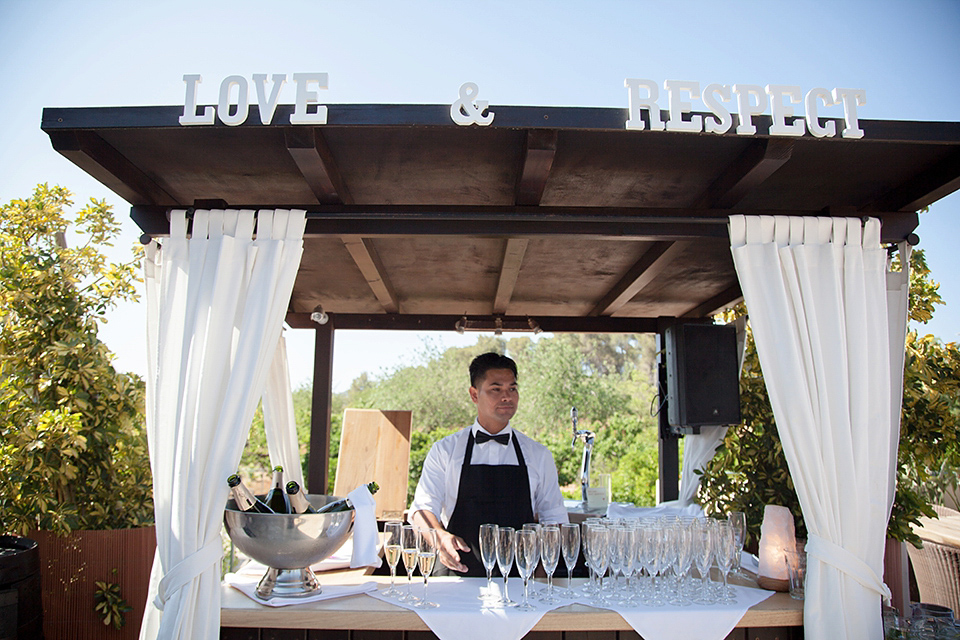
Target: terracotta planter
x,y
71,565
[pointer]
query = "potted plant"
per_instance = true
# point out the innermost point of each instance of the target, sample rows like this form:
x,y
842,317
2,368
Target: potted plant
x,y
74,468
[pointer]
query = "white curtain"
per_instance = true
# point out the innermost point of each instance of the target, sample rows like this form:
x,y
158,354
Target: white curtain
x,y
815,289
698,449
216,300
279,421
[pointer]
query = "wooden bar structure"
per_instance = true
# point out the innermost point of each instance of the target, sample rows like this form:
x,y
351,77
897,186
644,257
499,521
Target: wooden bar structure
x,y
364,617
557,218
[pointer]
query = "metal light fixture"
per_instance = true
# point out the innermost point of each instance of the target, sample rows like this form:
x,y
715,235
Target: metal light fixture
x,y
498,324
319,315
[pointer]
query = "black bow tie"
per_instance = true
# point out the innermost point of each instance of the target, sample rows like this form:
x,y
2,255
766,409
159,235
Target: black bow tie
x,y
503,438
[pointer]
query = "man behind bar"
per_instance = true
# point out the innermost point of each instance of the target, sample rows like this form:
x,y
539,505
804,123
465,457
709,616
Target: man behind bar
x,y
486,473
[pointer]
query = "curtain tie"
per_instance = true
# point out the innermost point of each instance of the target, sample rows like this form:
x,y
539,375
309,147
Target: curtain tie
x,y
846,562
188,569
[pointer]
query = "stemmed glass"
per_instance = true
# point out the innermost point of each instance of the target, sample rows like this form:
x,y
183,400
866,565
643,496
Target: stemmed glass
x,y
488,554
549,556
629,561
598,550
391,549
682,560
536,527
738,520
528,554
408,551
570,545
506,541
652,557
726,548
426,559
703,540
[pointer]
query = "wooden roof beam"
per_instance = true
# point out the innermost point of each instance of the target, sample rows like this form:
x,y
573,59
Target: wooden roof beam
x,y
368,260
929,186
540,147
509,272
757,163
406,322
653,262
93,154
310,151
723,300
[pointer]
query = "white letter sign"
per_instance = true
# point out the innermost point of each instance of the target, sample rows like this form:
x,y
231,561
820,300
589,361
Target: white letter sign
x,y
307,97
190,116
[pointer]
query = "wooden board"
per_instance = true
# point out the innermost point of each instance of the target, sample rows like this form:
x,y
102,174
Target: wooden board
x,y
375,445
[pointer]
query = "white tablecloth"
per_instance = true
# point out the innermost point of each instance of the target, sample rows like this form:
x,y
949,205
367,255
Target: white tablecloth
x,y
460,615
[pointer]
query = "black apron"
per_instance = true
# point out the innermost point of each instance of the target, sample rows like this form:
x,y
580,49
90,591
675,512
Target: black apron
x,y
498,494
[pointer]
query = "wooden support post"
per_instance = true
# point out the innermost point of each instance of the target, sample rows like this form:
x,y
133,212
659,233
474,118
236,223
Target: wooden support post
x,y
318,465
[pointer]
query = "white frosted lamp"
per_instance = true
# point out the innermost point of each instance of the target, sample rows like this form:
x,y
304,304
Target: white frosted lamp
x,y
777,537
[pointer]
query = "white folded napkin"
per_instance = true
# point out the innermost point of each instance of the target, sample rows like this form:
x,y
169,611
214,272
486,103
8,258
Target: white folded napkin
x,y
672,508
365,535
697,622
461,616
749,562
247,585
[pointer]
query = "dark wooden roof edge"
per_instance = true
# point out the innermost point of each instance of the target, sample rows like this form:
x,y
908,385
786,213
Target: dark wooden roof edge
x,y
514,117
626,224
414,322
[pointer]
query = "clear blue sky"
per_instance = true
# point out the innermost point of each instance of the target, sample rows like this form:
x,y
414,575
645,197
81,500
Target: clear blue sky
x,y
905,55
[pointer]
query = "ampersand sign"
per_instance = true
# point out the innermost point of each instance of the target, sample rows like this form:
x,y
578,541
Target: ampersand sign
x,y
466,110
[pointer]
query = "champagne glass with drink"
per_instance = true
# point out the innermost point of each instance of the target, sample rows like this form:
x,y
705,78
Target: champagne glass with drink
x,y
409,551
391,550
426,559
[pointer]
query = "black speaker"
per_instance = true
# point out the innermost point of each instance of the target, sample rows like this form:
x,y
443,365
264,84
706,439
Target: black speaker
x,y
703,375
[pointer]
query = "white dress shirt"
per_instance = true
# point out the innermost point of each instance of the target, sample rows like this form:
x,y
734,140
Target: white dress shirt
x,y
440,478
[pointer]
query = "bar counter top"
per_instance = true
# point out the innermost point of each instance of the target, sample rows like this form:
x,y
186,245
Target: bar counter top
x,y
367,613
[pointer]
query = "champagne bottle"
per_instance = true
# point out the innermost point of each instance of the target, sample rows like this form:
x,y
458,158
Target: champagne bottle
x,y
345,504
298,501
277,498
244,498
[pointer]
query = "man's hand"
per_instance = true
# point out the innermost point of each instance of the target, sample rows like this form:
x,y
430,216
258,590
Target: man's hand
x,y
450,546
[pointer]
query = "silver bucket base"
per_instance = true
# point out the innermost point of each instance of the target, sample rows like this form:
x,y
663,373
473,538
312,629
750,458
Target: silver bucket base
x,y
288,583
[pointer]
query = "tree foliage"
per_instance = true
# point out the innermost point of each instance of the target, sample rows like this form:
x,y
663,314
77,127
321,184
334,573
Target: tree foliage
x,y
72,444
607,377
750,471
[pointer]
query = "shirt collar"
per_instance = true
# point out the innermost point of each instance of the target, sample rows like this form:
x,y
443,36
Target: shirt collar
x,y
476,427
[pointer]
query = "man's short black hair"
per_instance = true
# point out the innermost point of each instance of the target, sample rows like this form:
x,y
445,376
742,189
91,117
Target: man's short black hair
x,y
487,361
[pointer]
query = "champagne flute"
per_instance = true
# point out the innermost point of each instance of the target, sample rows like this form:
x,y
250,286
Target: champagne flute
x,y
488,553
549,556
528,554
570,544
408,551
738,520
506,540
391,550
597,545
426,559
681,561
726,548
535,527
704,538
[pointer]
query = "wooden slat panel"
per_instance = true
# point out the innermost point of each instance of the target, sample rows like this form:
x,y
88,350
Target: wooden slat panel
x,y
71,565
375,445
